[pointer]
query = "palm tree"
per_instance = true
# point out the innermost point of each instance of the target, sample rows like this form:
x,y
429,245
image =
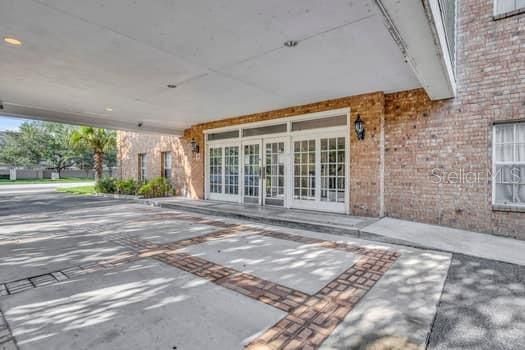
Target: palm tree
x,y
100,141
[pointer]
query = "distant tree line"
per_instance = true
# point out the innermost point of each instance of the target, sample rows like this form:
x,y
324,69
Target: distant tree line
x,y
59,146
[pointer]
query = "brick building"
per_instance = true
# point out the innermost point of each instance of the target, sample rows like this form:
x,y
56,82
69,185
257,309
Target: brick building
x,y
457,161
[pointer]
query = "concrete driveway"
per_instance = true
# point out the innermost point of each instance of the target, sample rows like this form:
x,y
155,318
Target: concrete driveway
x,y
95,273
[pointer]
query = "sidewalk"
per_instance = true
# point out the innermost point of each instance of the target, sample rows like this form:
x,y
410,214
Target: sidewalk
x,y
451,240
386,230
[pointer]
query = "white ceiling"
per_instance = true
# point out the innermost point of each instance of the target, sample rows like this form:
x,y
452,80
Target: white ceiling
x,y
227,57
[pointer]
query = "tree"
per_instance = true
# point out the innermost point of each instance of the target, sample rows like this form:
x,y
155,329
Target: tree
x,y
24,147
58,154
100,141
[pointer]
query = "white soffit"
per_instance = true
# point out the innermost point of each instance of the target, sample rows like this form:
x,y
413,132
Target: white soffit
x,y
226,57
419,27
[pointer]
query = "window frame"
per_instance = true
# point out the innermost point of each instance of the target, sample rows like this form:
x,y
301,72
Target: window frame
x,y
500,15
163,169
495,163
142,169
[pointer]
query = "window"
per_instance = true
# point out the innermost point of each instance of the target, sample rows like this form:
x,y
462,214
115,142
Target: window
x,y
339,120
509,164
504,8
142,166
265,130
223,135
448,16
165,165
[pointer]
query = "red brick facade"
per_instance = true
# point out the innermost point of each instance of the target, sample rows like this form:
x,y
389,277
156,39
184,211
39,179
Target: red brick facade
x,y
419,135
456,135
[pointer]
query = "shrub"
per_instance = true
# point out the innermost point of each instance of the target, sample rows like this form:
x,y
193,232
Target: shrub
x,y
128,186
106,185
157,187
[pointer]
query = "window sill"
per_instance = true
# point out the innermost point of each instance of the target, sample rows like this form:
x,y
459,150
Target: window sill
x,y
509,14
509,208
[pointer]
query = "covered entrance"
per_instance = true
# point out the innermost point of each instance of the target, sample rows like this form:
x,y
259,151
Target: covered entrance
x,y
299,162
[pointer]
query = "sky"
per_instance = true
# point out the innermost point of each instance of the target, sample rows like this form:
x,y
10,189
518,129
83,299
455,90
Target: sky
x,y
11,124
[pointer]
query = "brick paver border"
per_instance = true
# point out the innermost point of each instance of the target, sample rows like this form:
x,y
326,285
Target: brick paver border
x,y
24,284
265,291
310,319
307,326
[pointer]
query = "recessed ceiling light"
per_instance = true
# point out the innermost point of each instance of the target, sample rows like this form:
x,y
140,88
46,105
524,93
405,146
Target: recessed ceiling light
x,y
291,43
171,86
109,109
12,41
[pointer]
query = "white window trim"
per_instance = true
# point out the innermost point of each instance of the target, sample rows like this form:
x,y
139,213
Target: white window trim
x,y
495,204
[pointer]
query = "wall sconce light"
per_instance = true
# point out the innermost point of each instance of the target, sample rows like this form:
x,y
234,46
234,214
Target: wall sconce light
x,y
194,147
359,128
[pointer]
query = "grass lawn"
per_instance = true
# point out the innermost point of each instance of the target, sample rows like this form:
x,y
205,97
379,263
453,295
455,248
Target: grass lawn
x,y
43,181
89,189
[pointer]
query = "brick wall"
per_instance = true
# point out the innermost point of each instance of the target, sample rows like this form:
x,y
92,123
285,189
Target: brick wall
x,y
364,155
184,171
456,135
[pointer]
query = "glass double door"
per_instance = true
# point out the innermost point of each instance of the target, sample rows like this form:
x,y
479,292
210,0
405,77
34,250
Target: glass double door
x,y
305,171
264,171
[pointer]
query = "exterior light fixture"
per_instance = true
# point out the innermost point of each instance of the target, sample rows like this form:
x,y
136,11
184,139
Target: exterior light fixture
x,y
291,43
359,128
194,146
12,41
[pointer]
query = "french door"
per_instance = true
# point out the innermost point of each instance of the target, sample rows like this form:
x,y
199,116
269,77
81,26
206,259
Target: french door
x,y
252,172
274,175
319,172
264,171
223,172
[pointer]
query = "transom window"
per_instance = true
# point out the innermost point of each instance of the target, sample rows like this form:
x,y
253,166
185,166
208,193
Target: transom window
x,y
509,164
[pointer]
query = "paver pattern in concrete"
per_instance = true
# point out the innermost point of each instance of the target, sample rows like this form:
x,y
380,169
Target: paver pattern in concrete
x,y
190,281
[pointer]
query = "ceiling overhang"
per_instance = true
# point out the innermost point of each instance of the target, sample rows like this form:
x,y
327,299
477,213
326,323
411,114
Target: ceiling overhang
x,y
417,28
109,63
